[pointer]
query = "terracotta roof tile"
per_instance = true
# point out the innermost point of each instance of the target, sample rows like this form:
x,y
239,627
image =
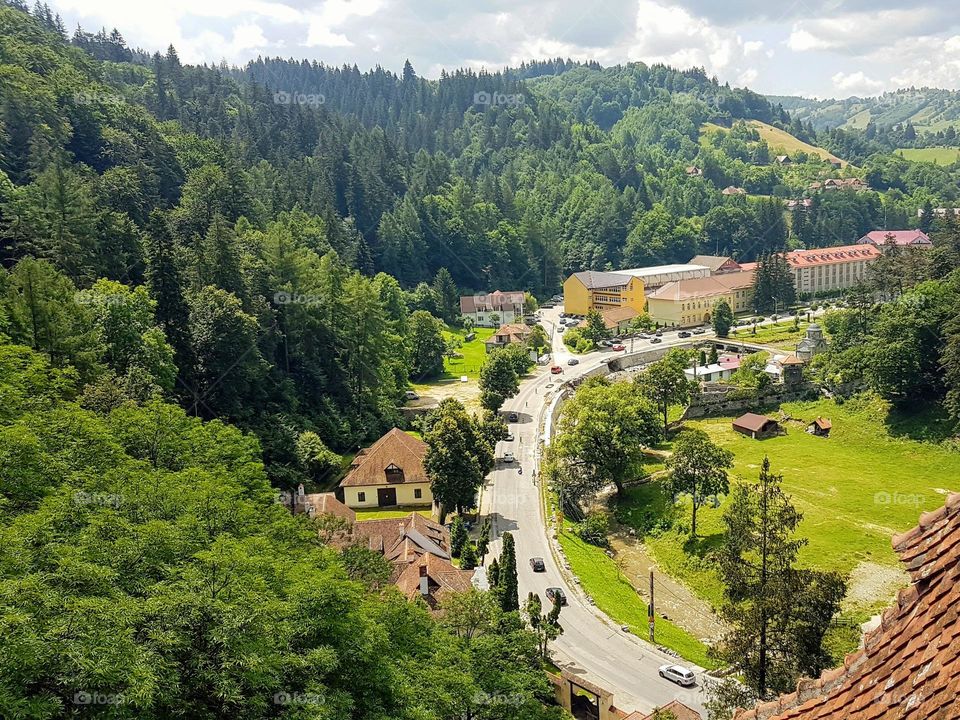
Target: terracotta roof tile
x,y
909,666
395,448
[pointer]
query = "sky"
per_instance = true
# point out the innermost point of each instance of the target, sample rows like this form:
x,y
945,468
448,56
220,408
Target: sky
x,y
816,48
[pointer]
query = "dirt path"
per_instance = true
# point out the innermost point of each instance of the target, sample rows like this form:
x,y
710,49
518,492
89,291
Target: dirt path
x,y
673,599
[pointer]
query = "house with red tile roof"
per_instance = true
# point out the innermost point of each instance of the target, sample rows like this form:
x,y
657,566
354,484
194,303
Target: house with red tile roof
x,y
504,335
493,309
433,579
908,667
390,472
675,709
899,238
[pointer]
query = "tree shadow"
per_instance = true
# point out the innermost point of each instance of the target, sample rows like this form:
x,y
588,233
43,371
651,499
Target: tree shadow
x,y
703,545
924,422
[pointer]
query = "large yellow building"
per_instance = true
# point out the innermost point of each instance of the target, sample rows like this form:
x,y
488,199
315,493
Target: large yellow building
x,y
687,303
593,290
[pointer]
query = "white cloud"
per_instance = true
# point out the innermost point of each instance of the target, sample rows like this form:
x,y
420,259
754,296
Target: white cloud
x,y
856,83
858,32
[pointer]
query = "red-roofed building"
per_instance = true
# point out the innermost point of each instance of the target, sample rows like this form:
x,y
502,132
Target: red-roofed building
x,y
831,268
909,666
900,238
493,309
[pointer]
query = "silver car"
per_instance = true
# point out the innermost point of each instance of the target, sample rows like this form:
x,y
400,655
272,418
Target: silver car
x,y
678,674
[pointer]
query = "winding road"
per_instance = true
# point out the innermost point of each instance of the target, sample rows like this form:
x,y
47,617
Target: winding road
x,y
592,646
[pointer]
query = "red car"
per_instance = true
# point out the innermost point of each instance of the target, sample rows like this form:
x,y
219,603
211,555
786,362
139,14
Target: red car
x,y
618,348
556,370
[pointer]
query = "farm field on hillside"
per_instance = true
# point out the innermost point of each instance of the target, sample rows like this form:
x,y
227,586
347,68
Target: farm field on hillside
x,y
938,155
776,137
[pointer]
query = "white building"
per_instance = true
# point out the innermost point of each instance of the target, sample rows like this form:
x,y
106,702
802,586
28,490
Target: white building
x,y
654,277
493,309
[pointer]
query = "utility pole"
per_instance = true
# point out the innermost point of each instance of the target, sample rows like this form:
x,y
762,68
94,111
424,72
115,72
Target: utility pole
x,y
650,615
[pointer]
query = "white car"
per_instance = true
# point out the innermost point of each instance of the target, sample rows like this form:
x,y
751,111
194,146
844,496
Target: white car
x,y
411,395
678,674
508,457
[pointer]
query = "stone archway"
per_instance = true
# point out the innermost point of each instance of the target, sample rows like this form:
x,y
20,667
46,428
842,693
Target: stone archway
x,y
706,319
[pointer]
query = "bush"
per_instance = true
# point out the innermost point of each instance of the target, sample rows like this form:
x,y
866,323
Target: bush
x,y
594,529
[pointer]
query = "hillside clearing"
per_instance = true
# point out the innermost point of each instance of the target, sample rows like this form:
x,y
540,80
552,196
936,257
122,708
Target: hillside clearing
x,y
777,138
937,155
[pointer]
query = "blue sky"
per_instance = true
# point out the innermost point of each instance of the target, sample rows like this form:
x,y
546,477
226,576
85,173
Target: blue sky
x,y
823,48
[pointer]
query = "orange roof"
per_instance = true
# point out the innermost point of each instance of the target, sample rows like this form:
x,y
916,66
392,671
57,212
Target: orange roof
x,y
909,666
676,708
823,423
396,448
323,504
403,540
442,579
832,255
711,286
791,360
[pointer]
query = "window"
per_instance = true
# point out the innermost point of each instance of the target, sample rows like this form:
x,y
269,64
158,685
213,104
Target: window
x,y
394,474
417,493
361,497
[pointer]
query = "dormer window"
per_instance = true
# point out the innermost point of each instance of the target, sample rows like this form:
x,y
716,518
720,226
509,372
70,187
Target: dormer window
x,y
394,474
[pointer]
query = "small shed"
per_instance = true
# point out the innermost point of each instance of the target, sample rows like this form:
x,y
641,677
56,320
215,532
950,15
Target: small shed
x,y
756,426
821,426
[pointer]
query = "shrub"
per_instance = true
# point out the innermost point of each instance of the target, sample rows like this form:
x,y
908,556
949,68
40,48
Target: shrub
x,y
594,529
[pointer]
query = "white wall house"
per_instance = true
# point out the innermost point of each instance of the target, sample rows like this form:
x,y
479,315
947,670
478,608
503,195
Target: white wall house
x,y
493,309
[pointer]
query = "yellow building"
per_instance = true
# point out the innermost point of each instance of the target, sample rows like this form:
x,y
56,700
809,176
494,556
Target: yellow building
x,y
687,303
593,290
389,472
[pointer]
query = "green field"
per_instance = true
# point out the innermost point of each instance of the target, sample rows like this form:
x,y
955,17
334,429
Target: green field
x,y
868,481
938,155
473,354
781,335
777,138
397,512
617,598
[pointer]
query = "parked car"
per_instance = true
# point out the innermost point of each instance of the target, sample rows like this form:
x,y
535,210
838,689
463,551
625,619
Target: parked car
x,y
644,336
605,343
683,334
410,395
509,437
699,331
537,565
655,340
556,370
555,592
573,361
678,674
659,333
508,457
561,329
618,348
513,417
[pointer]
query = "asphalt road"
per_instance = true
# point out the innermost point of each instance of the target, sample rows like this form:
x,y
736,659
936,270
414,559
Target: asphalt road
x,y
591,645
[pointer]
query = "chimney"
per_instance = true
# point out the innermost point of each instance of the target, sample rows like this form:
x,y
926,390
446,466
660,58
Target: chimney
x,y
424,581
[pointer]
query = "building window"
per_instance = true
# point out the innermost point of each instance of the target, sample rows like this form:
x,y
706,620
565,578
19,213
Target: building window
x,y
394,474
417,493
361,497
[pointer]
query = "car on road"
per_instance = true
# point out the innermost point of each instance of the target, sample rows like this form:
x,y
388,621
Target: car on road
x,y
561,329
410,395
618,348
644,336
678,674
549,385
683,334
513,417
555,592
573,361
656,340
659,333
509,437
508,457
556,370
699,331
537,565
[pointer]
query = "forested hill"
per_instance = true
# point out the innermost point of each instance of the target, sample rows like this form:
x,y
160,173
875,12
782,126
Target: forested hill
x,y
187,204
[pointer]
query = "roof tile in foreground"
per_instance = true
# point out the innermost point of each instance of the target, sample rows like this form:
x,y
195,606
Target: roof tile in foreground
x,y
909,667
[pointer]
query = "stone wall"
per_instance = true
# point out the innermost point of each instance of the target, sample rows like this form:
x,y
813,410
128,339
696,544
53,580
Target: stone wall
x,y
720,399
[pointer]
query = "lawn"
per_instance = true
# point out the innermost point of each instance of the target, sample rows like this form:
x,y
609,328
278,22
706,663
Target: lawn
x,y
400,511
782,335
868,481
777,138
617,598
473,354
938,155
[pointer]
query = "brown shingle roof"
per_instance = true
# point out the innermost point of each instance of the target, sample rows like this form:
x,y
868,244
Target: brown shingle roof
x,y
909,667
395,448
323,504
677,708
752,422
403,540
714,262
823,423
442,579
